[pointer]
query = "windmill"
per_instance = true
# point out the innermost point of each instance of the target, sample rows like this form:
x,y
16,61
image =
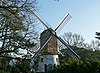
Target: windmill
x,y
48,52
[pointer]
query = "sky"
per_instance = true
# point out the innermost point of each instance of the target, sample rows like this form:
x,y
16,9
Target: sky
x,y
85,16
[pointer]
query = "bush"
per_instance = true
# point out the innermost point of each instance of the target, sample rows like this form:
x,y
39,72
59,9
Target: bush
x,y
78,67
4,72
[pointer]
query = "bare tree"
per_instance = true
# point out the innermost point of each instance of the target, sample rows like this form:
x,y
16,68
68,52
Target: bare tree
x,y
73,39
95,45
77,40
87,46
68,37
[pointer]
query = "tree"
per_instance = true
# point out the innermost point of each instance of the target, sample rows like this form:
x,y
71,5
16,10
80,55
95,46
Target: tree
x,y
17,26
95,45
87,46
97,35
74,39
68,37
77,40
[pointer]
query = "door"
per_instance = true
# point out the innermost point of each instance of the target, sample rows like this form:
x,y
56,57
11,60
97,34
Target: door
x,y
45,68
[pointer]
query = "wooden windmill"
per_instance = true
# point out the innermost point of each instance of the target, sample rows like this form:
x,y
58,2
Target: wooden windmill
x,y
48,52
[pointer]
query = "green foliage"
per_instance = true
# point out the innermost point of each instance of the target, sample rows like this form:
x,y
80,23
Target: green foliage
x,y
89,63
78,67
4,72
21,67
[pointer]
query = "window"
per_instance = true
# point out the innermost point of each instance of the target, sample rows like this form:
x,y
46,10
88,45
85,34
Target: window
x,y
41,59
45,68
57,59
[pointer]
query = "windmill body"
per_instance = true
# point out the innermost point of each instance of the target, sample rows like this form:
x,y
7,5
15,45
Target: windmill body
x,y
49,54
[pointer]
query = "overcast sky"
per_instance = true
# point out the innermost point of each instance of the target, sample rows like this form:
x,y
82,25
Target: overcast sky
x,y
85,15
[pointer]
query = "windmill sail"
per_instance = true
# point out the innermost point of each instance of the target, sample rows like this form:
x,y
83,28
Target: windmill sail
x,y
63,22
71,50
41,19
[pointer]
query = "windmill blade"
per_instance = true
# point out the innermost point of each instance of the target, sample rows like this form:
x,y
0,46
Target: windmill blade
x,y
40,19
46,25
44,44
63,22
71,50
